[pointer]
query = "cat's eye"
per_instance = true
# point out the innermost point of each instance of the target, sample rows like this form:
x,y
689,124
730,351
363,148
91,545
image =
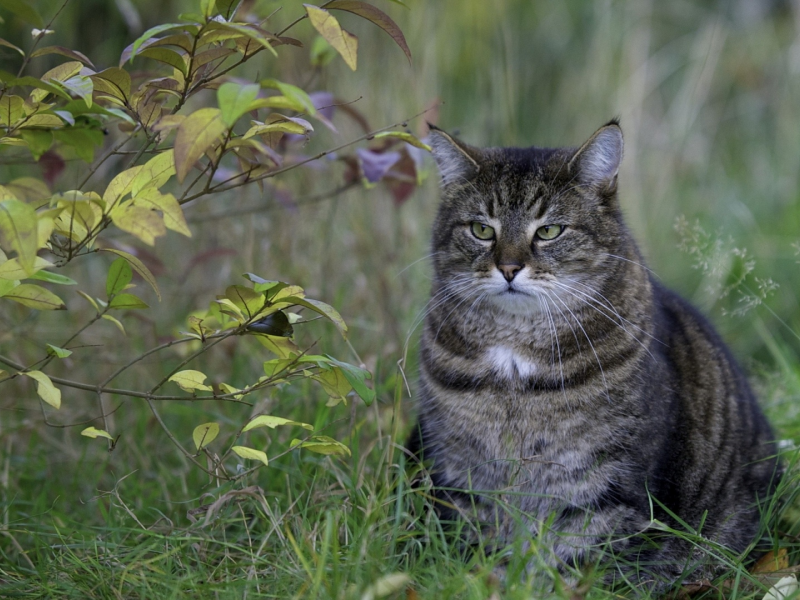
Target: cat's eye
x,y
482,231
549,232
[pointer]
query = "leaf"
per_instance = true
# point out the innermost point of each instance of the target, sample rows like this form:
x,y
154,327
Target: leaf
x,y
140,222
115,322
322,444
24,10
196,134
356,378
321,308
138,266
119,186
204,434
6,285
234,100
250,31
771,562
38,141
11,269
375,165
59,352
293,92
119,276
168,57
166,203
53,278
11,109
190,380
153,31
378,17
283,127
89,299
63,71
346,44
405,136
92,432
273,422
82,139
127,302
80,86
251,454
786,587
8,44
34,296
114,82
154,173
229,389
45,388
42,120
74,54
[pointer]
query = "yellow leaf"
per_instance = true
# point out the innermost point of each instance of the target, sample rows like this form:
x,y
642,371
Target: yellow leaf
x,y
114,82
29,189
18,230
771,562
114,321
405,136
92,432
36,297
196,134
119,186
155,172
328,27
284,127
140,222
251,454
10,109
190,380
40,120
166,203
322,444
204,434
12,270
273,422
45,388
229,389
89,299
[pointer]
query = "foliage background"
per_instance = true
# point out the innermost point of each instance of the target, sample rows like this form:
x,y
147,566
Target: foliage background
x,y
707,94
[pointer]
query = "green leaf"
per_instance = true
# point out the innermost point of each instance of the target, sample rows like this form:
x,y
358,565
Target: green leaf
x,y
115,322
356,378
119,276
322,444
138,266
378,17
89,299
234,100
80,86
53,278
18,229
153,31
254,33
6,285
114,82
321,308
345,43
273,422
8,44
74,54
168,57
293,92
281,127
92,432
82,139
127,302
196,134
38,141
406,137
190,380
204,434
251,454
45,388
59,352
36,297
24,10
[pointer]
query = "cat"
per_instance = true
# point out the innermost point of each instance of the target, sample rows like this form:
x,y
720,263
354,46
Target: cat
x,y
559,377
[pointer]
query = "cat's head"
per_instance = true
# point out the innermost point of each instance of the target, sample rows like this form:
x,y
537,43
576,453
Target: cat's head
x,y
519,225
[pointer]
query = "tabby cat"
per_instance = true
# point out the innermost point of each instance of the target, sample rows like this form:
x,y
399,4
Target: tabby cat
x,y
559,376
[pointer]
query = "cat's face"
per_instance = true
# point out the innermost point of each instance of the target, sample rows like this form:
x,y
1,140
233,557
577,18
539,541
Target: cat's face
x,y
528,229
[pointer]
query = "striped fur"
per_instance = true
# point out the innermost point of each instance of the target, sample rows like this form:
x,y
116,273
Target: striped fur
x,y
582,393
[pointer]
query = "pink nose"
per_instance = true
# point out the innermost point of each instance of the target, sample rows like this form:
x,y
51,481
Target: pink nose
x,y
509,271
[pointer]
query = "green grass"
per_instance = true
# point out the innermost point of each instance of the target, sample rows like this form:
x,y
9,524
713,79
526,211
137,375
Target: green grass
x,y
708,102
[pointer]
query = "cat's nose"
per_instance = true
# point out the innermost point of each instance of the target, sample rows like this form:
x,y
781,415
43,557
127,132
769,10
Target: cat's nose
x,y
509,270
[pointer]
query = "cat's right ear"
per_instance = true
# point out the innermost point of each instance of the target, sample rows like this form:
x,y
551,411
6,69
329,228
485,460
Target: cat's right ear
x,y
456,160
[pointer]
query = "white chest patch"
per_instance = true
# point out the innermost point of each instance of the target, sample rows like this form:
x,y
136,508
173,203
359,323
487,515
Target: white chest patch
x,y
508,363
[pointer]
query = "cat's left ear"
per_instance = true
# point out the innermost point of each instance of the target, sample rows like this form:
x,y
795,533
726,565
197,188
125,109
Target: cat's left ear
x,y
596,163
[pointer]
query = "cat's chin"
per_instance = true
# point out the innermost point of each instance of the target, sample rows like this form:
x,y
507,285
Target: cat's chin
x,y
518,303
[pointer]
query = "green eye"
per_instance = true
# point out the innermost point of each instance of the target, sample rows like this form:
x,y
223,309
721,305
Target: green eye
x,y
549,232
482,232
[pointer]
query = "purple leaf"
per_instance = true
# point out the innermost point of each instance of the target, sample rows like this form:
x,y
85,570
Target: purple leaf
x,y
374,165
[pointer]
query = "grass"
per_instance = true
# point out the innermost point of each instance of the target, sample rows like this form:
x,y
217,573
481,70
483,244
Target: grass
x,y
707,97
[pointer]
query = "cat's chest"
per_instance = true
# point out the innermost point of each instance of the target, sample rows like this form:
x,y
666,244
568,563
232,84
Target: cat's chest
x,y
510,362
